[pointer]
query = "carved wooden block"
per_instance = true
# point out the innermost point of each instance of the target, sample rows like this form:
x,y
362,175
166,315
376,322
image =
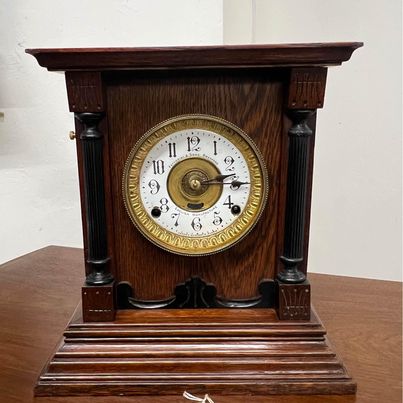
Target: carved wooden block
x,y
84,91
307,88
98,303
294,301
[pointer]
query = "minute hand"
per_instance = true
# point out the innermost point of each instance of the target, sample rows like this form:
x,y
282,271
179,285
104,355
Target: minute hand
x,y
217,179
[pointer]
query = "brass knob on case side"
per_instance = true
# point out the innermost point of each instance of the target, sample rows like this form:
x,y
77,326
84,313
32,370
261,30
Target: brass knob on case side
x,y
72,135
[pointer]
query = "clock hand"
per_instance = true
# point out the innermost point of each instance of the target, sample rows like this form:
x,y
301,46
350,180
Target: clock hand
x,y
235,183
217,179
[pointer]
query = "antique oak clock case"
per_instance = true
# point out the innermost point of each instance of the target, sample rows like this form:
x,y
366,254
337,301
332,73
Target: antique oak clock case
x,y
195,168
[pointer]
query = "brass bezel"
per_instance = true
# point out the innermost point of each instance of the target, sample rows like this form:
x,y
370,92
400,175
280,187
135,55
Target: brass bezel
x,y
201,245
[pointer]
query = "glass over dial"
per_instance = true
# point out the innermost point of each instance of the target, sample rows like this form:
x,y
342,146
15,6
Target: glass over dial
x,y
195,185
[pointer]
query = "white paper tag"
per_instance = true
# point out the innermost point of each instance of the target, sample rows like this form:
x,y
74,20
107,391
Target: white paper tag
x,y
205,399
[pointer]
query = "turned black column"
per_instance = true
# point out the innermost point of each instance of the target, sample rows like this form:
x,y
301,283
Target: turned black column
x,y
297,174
92,144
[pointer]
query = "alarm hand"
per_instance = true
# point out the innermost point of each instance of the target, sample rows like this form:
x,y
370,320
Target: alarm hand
x,y
218,179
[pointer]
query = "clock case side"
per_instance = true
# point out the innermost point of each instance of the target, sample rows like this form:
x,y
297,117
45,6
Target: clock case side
x,y
305,94
86,98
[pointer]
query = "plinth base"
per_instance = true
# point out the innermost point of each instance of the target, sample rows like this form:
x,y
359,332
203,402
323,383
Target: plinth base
x,y
165,352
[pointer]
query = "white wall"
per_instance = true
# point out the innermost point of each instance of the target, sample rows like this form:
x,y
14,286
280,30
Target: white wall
x,y
39,199
356,207
356,217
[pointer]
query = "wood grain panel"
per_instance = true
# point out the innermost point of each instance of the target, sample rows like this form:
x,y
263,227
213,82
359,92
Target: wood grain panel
x,y
135,104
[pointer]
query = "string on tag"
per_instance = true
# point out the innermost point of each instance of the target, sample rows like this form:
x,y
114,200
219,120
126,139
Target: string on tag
x,y
205,399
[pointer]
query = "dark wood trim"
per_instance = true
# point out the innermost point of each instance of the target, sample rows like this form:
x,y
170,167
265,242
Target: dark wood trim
x,y
104,129
303,266
79,127
86,93
286,125
194,57
195,293
295,209
311,154
92,153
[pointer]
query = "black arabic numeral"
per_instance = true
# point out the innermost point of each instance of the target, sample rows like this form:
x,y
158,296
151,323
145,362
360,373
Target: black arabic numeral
x,y
154,186
158,166
217,219
229,161
193,143
196,224
228,202
176,215
164,205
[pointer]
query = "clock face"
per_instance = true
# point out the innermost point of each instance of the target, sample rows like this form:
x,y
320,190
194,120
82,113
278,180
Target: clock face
x,y
195,185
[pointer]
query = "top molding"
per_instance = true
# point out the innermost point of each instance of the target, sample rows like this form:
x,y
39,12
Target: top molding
x,y
195,57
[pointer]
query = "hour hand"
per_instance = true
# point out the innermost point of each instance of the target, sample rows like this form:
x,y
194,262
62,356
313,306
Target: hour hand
x,y
219,178
236,184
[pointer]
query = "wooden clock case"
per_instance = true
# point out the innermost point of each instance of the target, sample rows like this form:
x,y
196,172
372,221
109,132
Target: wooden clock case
x,y
236,322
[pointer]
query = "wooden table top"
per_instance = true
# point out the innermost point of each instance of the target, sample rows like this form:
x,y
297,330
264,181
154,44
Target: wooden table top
x,y
39,292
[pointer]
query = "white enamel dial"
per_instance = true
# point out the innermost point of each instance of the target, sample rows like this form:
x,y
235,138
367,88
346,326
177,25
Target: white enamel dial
x,y
195,144
195,185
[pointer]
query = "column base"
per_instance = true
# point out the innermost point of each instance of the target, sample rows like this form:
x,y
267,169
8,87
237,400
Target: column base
x,y
98,303
294,301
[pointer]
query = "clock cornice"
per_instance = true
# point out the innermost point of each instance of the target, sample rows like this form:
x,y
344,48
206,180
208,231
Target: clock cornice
x,y
195,57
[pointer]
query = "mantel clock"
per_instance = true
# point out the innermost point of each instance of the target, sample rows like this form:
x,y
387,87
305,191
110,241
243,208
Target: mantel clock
x,y
195,168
